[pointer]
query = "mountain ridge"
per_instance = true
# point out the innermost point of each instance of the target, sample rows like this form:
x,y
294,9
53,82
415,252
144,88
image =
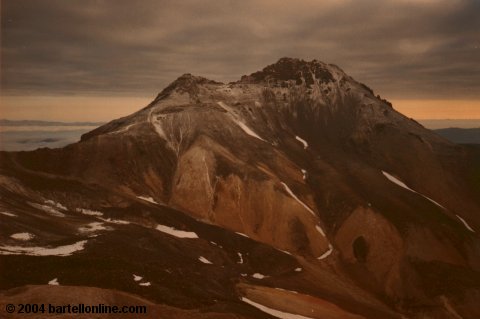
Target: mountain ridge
x,y
319,173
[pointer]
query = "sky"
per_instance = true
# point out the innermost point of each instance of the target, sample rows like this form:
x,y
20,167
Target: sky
x,y
100,59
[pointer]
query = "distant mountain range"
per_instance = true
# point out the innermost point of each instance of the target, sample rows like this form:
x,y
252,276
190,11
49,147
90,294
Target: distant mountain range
x,y
5,122
460,135
448,123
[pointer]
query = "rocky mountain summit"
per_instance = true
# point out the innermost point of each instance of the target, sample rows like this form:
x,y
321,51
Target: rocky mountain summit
x,y
295,192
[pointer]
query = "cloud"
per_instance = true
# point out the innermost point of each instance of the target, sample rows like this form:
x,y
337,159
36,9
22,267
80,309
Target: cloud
x,y
411,49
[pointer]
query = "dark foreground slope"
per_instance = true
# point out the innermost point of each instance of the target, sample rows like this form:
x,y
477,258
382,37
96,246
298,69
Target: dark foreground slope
x,y
295,188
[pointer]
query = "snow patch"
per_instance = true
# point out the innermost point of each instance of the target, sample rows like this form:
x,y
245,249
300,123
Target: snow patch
x,y
54,282
285,252
290,291
55,204
8,214
465,224
237,121
258,276
298,269
225,107
48,209
137,278
240,257
301,140
65,250
204,260
320,230
395,180
289,191
114,221
175,232
274,312
241,234
304,173
327,253
248,130
88,212
158,128
145,284
157,125
215,244
22,236
148,199
92,227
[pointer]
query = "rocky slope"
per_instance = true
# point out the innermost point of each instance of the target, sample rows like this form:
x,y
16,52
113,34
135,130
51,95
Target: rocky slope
x,y
295,177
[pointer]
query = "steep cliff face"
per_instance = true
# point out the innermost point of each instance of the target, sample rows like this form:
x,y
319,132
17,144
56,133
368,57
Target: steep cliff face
x,y
299,157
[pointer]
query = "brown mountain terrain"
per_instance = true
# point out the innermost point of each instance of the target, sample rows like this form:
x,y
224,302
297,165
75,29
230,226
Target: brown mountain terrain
x,y
295,189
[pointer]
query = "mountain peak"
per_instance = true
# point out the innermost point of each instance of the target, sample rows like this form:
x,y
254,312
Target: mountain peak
x,y
221,186
295,70
186,83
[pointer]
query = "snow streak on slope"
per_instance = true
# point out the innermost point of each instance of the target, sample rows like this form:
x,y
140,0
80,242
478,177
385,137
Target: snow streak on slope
x,y
289,191
289,291
241,258
92,227
55,204
8,214
48,209
320,230
204,260
274,312
241,234
327,253
317,227
66,250
175,232
157,125
301,140
89,212
114,221
237,121
466,224
147,199
249,131
395,180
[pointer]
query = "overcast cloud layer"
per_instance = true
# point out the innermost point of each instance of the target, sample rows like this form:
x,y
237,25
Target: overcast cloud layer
x,y
402,49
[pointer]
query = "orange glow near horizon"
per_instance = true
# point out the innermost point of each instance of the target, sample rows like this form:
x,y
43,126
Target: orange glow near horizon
x,y
438,109
70,108
106,108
